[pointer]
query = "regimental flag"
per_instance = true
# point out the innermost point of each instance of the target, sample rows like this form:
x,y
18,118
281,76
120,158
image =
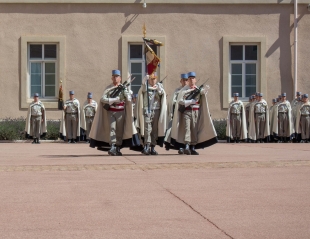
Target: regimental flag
x,y
152,60
60,98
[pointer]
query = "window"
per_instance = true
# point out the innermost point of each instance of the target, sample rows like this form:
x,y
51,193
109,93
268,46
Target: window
x,y
136,64
243,67
42,69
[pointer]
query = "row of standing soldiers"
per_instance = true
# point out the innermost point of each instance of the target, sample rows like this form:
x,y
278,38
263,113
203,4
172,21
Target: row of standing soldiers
x,y
256,122
140,123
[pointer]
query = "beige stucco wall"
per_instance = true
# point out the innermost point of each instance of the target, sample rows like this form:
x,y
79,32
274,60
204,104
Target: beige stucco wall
x,y
193,35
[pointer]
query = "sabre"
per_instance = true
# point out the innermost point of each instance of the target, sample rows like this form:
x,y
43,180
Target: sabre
x,y
163,79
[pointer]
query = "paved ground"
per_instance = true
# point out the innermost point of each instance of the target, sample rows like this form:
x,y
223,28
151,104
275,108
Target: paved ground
x,y
240,191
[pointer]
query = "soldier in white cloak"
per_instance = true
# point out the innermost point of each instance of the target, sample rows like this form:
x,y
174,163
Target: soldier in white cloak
x,y
295,103
113,126
88,112
303,120
172,107
192,126
151,111
236,121
36,120
259,130
70,123
282,120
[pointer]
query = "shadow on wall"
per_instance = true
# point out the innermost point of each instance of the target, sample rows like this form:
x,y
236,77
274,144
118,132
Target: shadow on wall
x,y
221,72
286,60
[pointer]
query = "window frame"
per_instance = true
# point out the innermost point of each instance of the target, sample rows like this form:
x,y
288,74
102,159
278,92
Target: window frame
x,y
25,97
261,80
43,61
243,62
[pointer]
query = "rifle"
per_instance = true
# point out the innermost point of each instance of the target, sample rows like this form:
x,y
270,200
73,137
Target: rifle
x,y
116,92
191,96
163,79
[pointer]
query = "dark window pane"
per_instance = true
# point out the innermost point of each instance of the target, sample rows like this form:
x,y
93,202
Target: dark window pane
x,y
49,79
236,90
236,80
36,51
236,52
137,80
154,48
135,88
35,89
250,80
236,69
50,68
250,90
135,51
250,69
250,52
49,90
50,51
136,68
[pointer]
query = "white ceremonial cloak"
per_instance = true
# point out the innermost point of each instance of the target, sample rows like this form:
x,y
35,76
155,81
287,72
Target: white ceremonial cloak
x,y
205,129
100,131
63,131
298,116
83,120
275,130
243,135
162,120
28,128
171,109
252,127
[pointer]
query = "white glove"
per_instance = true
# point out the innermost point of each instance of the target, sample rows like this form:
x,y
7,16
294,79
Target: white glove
x,y
193,101
114,100
189,102
145,79
159,88
206,89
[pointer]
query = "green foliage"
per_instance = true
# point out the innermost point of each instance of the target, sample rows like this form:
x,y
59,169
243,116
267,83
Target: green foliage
x,y
220,128
14,129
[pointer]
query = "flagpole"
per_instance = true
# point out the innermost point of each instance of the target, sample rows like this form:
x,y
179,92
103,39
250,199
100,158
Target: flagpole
x,y
146,70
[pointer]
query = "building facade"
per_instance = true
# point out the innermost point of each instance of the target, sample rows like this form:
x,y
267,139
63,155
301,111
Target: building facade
x,y
239,45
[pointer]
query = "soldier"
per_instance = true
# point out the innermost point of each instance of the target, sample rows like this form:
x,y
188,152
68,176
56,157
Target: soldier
x,y
282,121
259,116
113,127
70,123
236,122
171,108
303,120
192,126
274,101
88,114
36,120
151,114
294,105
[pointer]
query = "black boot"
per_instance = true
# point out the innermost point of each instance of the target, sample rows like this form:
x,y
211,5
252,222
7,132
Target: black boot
x,y
73,141
235,140
257,141
146,149
38,141
153,152
112,150
262,141
118,151
238,140
34,141
181,151
187,149
193,151
69,141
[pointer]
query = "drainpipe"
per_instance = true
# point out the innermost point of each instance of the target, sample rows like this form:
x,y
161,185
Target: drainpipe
x,y
295,46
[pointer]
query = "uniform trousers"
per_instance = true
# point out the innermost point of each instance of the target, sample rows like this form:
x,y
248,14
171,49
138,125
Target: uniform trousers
x,y
151,127
235,125
71,125
36,126
260,122
89,123
305,126
190,118
282,124
117,120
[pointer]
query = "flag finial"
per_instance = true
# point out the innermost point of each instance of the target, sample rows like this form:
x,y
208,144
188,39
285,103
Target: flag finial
x,y
144,30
